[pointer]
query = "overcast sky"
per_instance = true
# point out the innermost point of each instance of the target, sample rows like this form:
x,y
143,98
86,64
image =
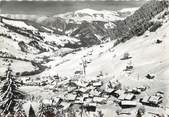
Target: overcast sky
x,y
73,0
50,8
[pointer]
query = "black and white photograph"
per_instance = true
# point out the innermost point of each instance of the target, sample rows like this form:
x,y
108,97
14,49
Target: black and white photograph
x,y
84,58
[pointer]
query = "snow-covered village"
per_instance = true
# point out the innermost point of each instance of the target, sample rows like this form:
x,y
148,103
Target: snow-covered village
x,y
86,62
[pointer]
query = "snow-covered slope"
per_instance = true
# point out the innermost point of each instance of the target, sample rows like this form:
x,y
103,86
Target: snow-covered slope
x,y
24,43
19,24
90,15
148,53
139,21
127,11
88,25
60,40
131,10
147,57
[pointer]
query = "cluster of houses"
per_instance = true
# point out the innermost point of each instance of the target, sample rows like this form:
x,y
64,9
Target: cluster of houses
x,y
153,100
83,93
89,94
43,81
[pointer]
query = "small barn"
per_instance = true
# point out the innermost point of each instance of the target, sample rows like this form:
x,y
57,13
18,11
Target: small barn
x,y
128,104
145,100
150,76
129,96
100,100
151,100
70,97
134,91
95,93
47,102
97,83
82,90
79,100
88,100
155,100
65,105
109,91
118,93
56,101
90,107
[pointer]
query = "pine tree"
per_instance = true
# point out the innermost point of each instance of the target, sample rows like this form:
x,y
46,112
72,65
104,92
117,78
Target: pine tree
x,y
41,111
46,111
140,111
19,112
31,112
10,94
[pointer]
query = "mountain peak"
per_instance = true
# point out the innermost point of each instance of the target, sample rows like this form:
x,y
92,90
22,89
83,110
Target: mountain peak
x,y
91,15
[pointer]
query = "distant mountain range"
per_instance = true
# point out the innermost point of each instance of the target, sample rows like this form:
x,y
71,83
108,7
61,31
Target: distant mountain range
x,y
90,26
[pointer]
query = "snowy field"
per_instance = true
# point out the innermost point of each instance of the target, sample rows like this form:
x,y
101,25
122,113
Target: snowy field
x,y
16,66
147,57
104,76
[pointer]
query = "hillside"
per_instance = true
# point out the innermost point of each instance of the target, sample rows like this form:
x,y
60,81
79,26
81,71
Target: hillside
x,y
25,43
99,26
147,57
95,62
88,25
140,21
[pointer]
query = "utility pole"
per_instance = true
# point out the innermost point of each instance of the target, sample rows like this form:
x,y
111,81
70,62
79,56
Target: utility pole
x,y
84,66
